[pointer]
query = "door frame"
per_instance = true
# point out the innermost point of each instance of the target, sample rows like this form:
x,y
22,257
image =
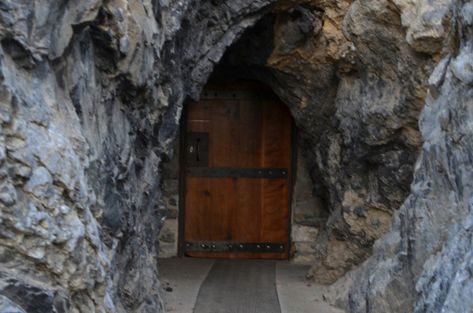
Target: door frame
x,y
182,181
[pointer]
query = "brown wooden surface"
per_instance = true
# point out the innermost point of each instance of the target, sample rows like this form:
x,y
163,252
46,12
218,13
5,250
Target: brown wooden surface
x,y
242,134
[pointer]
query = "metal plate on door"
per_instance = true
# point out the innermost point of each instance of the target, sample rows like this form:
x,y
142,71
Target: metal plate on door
x,y
197,149
268,173
223,246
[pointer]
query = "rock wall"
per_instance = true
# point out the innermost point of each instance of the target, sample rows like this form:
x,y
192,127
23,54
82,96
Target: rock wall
x,y
365,160
91,93
424,264
168,238
90,98
308,214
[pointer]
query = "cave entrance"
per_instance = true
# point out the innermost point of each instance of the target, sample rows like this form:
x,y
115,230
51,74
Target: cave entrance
x,y
237,170
242,65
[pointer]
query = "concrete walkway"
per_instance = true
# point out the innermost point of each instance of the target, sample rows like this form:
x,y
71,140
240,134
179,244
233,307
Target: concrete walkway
x,y
182,278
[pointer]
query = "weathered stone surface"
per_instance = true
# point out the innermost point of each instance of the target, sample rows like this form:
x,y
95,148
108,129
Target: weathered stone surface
x,y
20,295
308,214
424,264
90,98
8,306
91,94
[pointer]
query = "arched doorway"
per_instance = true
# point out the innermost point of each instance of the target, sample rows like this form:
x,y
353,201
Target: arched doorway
x,y
236,174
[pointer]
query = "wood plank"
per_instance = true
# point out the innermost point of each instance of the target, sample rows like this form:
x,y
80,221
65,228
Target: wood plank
x,y
209,203
276,152
246,217
224,134
198,206
250,130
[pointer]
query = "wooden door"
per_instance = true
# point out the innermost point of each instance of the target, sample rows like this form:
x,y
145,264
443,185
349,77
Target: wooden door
x,y
237,175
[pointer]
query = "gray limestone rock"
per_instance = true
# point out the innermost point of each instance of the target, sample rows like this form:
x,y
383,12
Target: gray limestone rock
x,y
7,306
91,94
427,267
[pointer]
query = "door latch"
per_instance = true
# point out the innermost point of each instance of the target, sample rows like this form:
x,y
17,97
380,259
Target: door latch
x,y
197,149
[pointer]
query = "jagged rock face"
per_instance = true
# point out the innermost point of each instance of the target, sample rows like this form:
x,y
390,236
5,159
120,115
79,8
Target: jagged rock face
x,y
424,264
365,161
91,93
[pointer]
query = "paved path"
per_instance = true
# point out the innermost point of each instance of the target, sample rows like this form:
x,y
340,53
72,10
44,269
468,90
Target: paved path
x,y
183,278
